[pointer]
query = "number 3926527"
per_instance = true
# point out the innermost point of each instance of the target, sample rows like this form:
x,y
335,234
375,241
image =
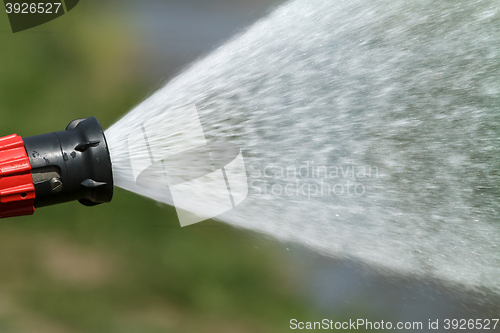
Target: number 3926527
x,y
33,8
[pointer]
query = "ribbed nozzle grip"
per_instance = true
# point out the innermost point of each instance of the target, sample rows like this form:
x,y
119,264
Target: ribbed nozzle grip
x,y
17,192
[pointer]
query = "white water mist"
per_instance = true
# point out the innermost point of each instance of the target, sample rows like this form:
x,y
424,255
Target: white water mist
x,y
391,106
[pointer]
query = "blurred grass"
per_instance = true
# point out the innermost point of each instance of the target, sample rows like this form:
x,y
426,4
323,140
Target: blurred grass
x,y
126,266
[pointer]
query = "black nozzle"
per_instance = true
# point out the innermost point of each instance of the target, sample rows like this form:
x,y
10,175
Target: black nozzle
x,y
73,164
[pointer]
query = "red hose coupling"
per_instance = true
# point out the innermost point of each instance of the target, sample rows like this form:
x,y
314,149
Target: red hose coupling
x,y
17,192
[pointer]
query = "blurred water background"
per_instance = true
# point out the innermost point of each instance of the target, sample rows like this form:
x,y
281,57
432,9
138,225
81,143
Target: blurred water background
x,y
128,266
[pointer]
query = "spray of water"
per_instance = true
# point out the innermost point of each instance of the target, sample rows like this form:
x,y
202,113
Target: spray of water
x,y
369,130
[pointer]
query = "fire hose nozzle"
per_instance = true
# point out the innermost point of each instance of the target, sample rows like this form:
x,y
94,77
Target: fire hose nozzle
x,y
53,168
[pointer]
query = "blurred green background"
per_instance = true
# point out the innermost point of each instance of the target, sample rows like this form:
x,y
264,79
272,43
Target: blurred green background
x,y
126,266
129,266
